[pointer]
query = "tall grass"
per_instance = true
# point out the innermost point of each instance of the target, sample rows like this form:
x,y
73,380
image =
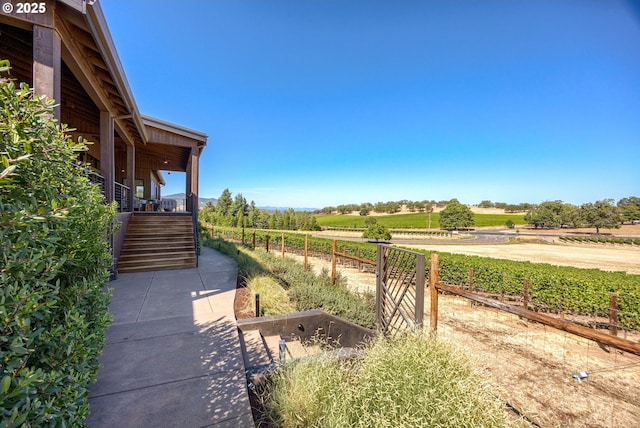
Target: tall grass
x,y
273,298
414,381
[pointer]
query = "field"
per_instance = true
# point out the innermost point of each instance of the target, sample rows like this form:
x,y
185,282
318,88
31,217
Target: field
x,y
610,258
414,220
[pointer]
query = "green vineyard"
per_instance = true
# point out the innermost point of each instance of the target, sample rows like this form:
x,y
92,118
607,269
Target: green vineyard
x,y
551,288
414,220
600,240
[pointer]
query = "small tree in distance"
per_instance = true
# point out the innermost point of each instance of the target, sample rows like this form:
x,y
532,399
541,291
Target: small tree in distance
x,y
456,216
375,231
601,214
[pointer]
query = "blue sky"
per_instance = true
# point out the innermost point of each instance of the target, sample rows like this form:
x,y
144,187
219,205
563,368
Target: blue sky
x,y
326,102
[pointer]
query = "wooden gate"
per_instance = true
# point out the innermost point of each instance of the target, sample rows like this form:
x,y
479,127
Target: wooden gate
x,y
400,277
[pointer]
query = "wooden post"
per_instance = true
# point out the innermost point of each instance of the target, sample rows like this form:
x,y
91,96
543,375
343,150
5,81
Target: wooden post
x,y
283,245
306,253
254,239
333,262
267,240
525,294
242,235
433,281
613,314
359,262
471,272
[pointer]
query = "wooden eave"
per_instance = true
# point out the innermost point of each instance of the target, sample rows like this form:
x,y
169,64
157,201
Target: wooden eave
x,y
170,146
89,54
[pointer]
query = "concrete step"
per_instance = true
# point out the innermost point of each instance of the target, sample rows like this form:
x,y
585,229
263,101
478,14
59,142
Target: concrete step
x,y
255,352
273,347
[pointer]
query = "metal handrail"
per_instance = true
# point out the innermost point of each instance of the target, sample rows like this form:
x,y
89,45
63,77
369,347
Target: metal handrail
x,y
121,197
121,191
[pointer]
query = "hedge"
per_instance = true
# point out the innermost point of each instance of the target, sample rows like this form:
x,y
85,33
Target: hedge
x,y
54,263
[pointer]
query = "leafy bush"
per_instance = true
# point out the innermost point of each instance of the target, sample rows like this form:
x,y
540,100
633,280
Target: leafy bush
x,y
415,381
55,261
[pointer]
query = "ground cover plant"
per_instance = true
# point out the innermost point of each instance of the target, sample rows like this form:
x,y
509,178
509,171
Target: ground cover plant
x,y
55,260
551,288
413,381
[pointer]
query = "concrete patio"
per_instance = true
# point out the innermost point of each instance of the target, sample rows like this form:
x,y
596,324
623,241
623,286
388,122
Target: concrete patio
x,y
173,355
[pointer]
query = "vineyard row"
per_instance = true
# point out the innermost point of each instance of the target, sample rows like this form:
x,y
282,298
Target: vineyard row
x,y
551,288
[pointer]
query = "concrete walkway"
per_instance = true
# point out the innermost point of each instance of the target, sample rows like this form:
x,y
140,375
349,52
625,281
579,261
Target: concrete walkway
x,y
173,356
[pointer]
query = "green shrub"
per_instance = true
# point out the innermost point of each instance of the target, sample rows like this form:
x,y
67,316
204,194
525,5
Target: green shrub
x,y
55,261
414,381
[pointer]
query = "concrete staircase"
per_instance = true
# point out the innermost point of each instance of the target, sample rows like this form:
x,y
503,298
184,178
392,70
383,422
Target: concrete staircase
x,y
264,353
158,242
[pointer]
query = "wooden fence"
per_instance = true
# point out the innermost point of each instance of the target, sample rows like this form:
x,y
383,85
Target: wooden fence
x,y
520,308
610,338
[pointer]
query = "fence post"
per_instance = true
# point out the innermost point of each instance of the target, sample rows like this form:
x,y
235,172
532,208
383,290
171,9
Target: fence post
x,y
380,263
525,294
283,245
242,235
613,314
433,290
257,305
267,241
254,239
333,262
306,256
471,272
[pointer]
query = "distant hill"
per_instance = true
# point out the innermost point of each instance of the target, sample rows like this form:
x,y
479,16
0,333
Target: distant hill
x,y
272,209
182,197
204,201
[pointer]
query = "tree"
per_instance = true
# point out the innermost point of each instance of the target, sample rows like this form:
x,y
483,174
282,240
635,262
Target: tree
x,y
629,208
601,214
553,214
456,216
239,205
377,232
223,206
486,204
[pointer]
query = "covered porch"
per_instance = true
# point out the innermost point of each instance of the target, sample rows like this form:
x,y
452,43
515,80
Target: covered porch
x,y
67,54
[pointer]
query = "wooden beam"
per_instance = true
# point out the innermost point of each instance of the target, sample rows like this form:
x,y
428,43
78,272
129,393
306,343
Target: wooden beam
x,y
131,173
47,62
107,155
192,177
